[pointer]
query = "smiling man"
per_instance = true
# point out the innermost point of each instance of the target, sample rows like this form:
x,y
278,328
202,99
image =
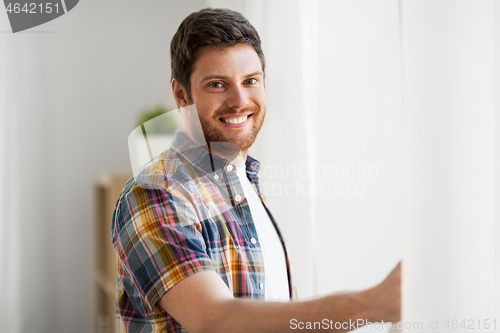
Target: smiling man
x,y
227,88
198,248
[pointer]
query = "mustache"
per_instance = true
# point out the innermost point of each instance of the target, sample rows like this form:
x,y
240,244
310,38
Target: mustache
x,y
227,111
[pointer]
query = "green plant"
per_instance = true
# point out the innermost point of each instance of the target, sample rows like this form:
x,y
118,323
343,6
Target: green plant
x,y
159,120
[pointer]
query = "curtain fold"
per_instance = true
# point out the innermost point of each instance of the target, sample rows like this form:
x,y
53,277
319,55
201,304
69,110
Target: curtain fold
x,y
449,89
27,283
9,198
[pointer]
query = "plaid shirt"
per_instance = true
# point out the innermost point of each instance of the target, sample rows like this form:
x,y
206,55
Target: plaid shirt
x,y
184,213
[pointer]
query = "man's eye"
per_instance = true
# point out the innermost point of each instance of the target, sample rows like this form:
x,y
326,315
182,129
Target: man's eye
x,y
251,81
215,85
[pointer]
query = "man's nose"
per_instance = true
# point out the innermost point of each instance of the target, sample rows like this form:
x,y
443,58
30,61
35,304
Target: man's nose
x,y
238,98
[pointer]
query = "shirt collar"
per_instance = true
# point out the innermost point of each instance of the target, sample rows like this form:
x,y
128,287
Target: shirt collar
x,y
205,162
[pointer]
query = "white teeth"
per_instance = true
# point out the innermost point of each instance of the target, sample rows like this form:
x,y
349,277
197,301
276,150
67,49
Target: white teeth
x,y
235,120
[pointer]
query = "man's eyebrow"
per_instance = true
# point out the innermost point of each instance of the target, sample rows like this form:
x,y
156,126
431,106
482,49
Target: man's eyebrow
x,y
211,77
255,73
222,77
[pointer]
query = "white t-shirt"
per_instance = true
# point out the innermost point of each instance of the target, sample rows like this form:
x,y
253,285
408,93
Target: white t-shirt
x,y
272,249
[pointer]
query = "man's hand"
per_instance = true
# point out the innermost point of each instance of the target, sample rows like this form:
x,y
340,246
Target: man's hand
x,y
385,298
203,303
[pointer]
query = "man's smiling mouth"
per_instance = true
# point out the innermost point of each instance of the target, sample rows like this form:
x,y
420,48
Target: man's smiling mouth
x,y
235,120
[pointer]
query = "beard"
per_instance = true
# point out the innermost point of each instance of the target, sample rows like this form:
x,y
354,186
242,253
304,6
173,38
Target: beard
x,y
244,142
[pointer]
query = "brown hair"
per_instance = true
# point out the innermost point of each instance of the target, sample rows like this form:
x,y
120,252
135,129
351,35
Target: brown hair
x,y
209,27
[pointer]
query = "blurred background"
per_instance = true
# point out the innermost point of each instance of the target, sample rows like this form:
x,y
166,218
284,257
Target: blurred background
x,y
381,142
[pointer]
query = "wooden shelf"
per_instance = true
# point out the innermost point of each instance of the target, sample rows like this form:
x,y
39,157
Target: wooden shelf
x,y
107,190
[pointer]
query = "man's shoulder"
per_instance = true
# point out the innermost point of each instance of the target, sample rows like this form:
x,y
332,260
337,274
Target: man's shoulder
x,y
166,178
168,169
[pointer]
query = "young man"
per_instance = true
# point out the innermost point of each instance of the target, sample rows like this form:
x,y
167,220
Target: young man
x,y
198,249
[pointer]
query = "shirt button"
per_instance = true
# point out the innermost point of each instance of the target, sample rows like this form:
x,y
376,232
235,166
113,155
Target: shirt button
x,y
229,167
253,241
237,198
216,177
261,285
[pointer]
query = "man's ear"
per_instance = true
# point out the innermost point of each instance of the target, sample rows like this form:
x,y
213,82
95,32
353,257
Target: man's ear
x,y
180,93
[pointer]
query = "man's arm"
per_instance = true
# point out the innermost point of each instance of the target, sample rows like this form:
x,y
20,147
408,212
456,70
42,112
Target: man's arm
x,y
203,303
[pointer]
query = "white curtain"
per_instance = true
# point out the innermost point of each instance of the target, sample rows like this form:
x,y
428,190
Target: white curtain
x,y
332,142
452,174
27,283
9,245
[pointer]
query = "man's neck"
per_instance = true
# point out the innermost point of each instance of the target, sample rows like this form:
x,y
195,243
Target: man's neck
x,y
228,152
239,160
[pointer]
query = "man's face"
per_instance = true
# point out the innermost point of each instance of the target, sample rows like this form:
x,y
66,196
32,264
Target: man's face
x,y
227,87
